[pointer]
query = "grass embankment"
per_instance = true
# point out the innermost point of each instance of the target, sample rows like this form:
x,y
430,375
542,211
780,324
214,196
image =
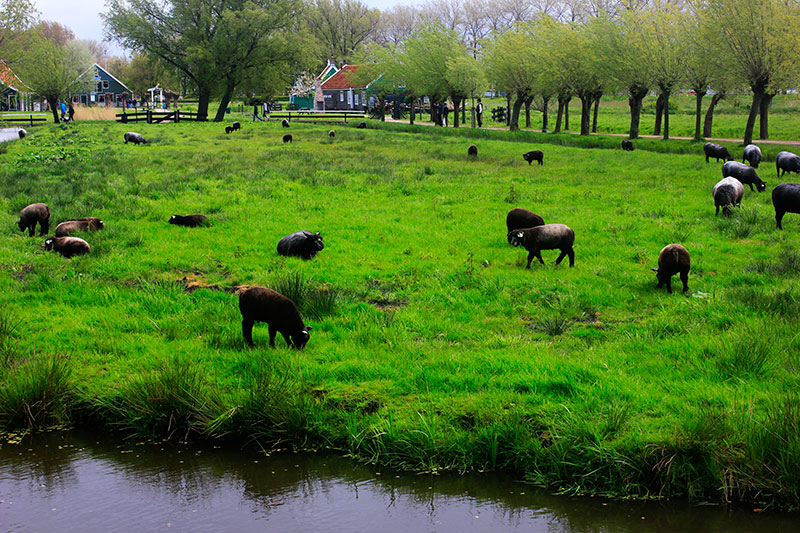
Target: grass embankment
x,y
432,346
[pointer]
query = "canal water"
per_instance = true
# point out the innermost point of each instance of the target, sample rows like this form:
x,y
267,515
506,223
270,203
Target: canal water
x,y
67,481
9,134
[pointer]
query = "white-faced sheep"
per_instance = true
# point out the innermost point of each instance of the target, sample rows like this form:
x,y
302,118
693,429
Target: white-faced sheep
x,y
236,126
303,244
744,173
534,155
33,214
79,224
22,133
727,192
285,123
190,221
673,259
716,151
67,246
787,162
785,199
546,237
752,154
135,138
259,304
331,134
519,218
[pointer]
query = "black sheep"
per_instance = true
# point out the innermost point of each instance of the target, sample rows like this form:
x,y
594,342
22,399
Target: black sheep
x,y
228,129
716,151
785,199
135,138
546,237
673,259
472,151
519,218
22,133
727,192
79,224
787,162
236,126
362,125
744,173
287,138
534,155
752,154
67,246
190,221
285,123
33,214
331,134
627,145
259,304
303,244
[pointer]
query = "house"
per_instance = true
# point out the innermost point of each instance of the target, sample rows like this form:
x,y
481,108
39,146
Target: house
x,y
107,89
342,94
12,96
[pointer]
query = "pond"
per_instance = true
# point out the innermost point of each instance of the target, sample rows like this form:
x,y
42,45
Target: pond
x,y
9,134
68,481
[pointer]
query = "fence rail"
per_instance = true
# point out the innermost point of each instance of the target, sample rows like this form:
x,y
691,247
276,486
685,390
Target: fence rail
x,y
318,116
23,119
158,117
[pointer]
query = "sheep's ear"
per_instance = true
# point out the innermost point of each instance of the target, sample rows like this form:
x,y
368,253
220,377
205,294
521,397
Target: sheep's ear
x,y
309,328
519,234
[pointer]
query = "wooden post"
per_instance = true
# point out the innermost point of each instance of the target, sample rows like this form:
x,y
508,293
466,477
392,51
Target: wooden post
x,y
149,116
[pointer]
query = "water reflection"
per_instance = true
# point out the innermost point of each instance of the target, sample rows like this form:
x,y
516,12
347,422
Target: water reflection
x,y
68,482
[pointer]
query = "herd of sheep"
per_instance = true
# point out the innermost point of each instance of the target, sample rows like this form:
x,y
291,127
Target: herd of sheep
x,y
523,228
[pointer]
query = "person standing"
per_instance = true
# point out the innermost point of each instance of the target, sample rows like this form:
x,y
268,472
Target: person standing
x,y
71,112
63,111
445,112
479,113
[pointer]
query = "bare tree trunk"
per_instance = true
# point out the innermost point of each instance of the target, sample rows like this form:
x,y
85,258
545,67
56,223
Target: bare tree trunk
x,y
223,104
666,113
203,98
636,95
758,95
566,113
561,105
411,115
514,123
763,111
53,103
659,112
698,109
456,109
708,122
597,96
464,111
508,110
586,111
546,100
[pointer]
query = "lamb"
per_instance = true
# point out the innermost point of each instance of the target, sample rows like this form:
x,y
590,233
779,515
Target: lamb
x,y
303,244
236,126
673,259
716,151
627,145
362,125
752,154
67,246
190,221
331,134
727,192
534,155
79,224
785,199
287,138
788,162
22,133
472,151
546,237
259,304
135,138
746,174
519,218
228,129
33,214
285,123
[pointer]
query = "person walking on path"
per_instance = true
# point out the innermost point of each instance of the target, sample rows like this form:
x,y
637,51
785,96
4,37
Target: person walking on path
x,y
71,112
445,112
479,113
255,113
63,111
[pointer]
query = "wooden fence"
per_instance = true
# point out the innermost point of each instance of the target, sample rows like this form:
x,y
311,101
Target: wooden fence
x,y
23,119
157,117
318,116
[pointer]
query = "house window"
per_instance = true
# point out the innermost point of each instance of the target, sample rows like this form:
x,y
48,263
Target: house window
x,y
75,99
105,84
341,96
100,99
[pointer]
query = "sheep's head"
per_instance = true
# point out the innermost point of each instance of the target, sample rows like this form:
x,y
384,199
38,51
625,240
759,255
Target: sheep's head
x,y
299,340
173,219
316,242
48,244
517,237
761,187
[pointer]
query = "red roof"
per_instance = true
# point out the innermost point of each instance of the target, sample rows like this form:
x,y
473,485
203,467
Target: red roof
x,y
8,77
341,80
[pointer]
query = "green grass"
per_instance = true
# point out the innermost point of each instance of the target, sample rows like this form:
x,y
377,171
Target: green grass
x,y
432,346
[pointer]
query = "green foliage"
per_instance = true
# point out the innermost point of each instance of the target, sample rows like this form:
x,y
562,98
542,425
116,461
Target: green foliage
x,y
35,391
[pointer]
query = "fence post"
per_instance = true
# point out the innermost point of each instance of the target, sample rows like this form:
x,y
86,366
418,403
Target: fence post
x,y
149,117
31,121
177,116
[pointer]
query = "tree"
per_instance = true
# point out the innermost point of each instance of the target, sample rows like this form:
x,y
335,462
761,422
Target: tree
x,y
466,79
341,26
758,41
513,67
146,71
55,71
16,18
396,25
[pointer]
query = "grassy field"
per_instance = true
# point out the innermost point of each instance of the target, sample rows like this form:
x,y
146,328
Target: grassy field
x,y
432,346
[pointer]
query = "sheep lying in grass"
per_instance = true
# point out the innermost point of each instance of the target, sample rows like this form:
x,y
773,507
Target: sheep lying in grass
x,y
546,237
627,145
22,133
534,155
135,138
716,151
472,151
33,214
259,304
519,218
287,138
190,221
303,244
744,173
331,134
727,192
362,125
673,259
785,199
67,246
752,154
285,123
79,224
787,162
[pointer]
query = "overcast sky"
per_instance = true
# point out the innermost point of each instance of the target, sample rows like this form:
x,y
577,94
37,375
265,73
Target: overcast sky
x,y
83,16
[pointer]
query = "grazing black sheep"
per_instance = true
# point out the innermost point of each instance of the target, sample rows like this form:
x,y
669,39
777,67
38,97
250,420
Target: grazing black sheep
x,y
287,138
190,221
673,259
787,162
627,145
785,199
546,237
22,133
331,134
303,244
716,151
79,224
744,173
236,126
285,123
67,246
362,125
519,218
135,138
33,214
472,151
752,154
259,304
727,192
534,155
228,129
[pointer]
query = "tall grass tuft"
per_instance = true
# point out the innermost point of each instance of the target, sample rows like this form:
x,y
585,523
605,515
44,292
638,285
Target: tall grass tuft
x,y
745,354
8,347
316,302
35,392
788,262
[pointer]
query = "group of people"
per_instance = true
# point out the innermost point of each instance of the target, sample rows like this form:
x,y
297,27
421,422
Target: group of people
x,y
266,107
444,112
67,111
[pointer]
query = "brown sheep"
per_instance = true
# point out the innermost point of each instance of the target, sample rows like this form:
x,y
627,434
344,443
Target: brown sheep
x,y
79,224
519,218
546,237
259,304
673,259
67,246
33,214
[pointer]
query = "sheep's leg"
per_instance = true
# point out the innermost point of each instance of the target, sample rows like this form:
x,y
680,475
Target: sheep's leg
x,y
685,280
717,213
779,217
31,230
43,228
539,256
272,332
669,285
531,255
571,254
561,256
751,187
247,330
